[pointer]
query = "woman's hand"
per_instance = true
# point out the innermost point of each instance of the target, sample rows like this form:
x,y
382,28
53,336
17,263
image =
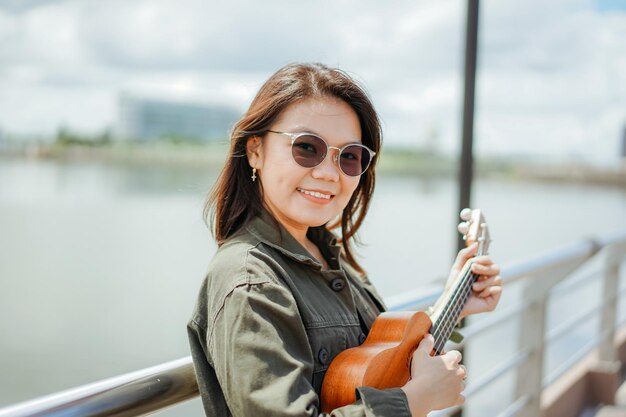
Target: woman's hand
x,y
487,289
436,381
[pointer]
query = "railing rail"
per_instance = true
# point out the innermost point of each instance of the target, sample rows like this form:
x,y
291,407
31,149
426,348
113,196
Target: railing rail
x,y
133,394
152,389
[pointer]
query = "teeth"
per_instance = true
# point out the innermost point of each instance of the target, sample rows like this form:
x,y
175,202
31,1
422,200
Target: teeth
x,y
315,194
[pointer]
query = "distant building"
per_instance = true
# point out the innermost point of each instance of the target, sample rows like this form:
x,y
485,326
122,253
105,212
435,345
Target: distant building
x,y
148,119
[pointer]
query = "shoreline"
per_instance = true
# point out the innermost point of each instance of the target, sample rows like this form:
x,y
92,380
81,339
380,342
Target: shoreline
x,y
400,162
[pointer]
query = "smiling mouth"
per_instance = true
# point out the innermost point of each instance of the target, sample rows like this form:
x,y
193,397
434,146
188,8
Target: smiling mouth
x,y
316,194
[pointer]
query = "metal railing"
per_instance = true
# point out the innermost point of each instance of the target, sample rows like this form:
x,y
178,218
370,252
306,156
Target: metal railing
x,y
152,389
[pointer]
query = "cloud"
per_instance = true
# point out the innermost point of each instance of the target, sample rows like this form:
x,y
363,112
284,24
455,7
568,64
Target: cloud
x,y
19,6
557,88
550,74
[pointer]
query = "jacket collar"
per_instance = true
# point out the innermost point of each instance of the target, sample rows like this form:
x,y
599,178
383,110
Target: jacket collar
x,y
264,227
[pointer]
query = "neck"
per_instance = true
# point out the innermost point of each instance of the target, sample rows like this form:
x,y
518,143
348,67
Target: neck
x,y
299,233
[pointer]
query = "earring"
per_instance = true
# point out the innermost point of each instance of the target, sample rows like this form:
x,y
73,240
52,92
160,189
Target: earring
x,y
253,174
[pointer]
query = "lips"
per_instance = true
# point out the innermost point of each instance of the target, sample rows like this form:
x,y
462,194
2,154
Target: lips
x,y
317,193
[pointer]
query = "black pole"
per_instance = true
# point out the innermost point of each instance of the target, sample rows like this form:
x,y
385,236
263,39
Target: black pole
x,y
466,169
467,159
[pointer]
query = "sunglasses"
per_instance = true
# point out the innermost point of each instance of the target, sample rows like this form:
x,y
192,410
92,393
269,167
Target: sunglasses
x,y
310,150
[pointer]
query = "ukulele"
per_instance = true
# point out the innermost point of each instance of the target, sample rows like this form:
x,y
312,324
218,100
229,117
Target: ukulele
x,y
384,358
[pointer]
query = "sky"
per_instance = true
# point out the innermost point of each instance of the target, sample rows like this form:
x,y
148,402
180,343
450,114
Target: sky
x,y
551,79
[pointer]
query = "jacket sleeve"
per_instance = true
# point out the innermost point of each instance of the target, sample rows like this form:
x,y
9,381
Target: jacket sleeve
x,y
263,361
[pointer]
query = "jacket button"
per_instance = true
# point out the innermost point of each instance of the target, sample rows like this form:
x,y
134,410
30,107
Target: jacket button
x,y
361,338
322,355
337,284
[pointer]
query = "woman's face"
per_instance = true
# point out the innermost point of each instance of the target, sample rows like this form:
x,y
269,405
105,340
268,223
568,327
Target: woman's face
x,y
292,192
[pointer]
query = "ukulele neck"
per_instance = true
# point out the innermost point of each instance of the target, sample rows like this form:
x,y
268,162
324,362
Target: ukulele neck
x,y
447,311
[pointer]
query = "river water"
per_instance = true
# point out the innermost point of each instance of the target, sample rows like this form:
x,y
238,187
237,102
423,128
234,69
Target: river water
x,y
100,263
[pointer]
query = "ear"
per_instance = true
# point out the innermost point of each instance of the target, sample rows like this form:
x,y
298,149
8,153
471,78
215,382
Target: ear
x,y
254,151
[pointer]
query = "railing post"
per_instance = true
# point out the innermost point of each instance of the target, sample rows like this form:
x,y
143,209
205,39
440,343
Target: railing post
x,y
614,255
532,330
610,286
606,374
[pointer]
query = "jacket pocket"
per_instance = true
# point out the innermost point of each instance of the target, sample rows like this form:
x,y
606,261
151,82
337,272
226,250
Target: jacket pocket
x,y
326,343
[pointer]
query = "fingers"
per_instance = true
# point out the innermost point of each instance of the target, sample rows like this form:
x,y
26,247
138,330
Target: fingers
x,y
486,282
463,372
482,302
494,291
485,266
464,254
427,344
483,259
452,357
469,250
438,378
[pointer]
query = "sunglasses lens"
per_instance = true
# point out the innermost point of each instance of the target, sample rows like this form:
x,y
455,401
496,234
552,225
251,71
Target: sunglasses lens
x,y
354,160
308,150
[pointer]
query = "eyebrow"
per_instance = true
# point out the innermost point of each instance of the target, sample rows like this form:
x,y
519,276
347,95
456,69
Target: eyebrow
x,y
304,129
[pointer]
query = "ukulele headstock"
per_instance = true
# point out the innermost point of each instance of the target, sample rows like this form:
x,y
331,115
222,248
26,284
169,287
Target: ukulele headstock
x,y
474,229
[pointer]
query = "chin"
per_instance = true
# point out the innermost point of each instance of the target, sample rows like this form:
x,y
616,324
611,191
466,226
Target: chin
x,y
315,220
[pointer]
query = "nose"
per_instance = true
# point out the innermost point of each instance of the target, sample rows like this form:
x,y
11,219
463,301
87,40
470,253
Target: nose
x,y
328,169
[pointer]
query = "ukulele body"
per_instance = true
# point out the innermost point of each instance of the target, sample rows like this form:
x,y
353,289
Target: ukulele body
x,y
382,361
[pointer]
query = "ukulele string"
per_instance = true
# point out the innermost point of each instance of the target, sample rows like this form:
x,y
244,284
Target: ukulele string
x,y
450,316
457,304
445,324
442,324
442,330
451,323
454,308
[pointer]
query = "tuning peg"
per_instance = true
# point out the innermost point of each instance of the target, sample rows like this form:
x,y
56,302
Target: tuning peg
x,y
463,228
466,214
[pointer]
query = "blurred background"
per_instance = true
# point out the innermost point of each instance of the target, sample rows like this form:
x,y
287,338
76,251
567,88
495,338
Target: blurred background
x,y
114,119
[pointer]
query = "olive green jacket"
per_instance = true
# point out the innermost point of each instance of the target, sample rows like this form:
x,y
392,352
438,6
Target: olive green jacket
x,y
268,322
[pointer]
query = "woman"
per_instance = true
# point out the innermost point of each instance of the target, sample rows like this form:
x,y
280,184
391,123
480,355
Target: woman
x,y
282,297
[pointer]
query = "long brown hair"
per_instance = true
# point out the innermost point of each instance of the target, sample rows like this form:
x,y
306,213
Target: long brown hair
x,y
236,199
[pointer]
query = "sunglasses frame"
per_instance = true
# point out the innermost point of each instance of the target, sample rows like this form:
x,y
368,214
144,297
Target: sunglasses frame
x,y
294,136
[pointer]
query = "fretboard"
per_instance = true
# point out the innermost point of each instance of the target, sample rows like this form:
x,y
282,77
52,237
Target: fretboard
x,y
450,309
